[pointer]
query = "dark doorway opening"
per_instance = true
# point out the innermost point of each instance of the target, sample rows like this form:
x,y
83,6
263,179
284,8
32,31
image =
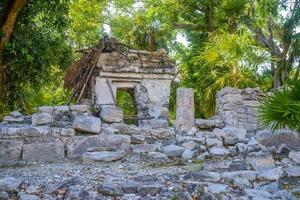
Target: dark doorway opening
x,y
126,101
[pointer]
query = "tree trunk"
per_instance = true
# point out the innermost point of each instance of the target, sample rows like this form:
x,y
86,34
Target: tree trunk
x,y
7,30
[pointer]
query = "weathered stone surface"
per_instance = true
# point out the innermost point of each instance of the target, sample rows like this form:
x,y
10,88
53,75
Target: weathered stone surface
x,y
50,151
46,109
293,171
213,142
61,109
80,144
10,150
77,193
152,189
111,114
242,183
88,124
204,176
106,156
79,108
219,151
157,156
191,145
14,117
187,154
217,188
109,190
144,148
4,195
163,133
137,139
24,196
9,184
41,118
226,132
261,162
250,175
258,194
271,174
295,156
209,123
185,109
173,150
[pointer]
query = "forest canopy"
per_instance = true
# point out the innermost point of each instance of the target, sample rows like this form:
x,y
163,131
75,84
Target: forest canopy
x,y
216,43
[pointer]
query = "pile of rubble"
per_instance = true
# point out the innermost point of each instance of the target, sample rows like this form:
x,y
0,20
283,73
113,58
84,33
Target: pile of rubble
x,y
65,152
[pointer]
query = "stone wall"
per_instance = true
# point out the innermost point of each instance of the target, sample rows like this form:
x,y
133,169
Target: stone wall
x,y
238,108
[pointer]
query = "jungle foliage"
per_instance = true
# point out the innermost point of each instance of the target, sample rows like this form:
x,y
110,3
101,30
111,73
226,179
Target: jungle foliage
x,y
216,43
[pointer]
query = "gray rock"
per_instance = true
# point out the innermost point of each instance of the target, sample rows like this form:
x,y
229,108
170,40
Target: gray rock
x,y
77,193
34,189
9,184
250,175
129,187
242,183
61,109
185,109
144,148
213,142
254,193
230,141
111,114
46,109
202,156
191,145
4,195
14,117
109,190
261,162
163,133
159,123
216,188
24,196
204,176
209,123
41,118
187,154
284,195
239,133
88,124
270,187
137,139
106,156
51,151
79,108
219,151
173,150
295,156
81,144
157,156
152,190
271,174
293,171
10,150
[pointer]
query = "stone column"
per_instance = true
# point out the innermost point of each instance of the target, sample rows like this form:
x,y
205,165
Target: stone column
x,y
185,118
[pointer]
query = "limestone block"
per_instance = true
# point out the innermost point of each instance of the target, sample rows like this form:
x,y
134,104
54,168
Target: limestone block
x,y
88,124
111,114
46,109
79,108
173,150
10,150
81,144
103,156
185,109
41,118
50,151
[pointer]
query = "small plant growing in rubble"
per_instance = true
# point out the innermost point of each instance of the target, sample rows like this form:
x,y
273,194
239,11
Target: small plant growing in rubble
x,y
95,110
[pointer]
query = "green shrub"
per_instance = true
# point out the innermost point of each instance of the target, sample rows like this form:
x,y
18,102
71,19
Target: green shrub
x,y
282,108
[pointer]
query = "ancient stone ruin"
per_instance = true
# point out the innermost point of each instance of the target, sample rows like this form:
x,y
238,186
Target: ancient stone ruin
x,y
71,152
145,75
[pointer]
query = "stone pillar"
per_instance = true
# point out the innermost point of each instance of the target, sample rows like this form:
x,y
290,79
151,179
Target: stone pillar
x,y
185,118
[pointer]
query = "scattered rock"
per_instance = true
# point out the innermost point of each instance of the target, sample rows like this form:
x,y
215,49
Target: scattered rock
x,y
173,150
157,156
187,154
9,184
137,139
271,174
163,133
107,156
111,114
191,145
219,151
295,156
209,123
144,148
213,142
4,195
293,171
261,162
88,124
41,118
152,190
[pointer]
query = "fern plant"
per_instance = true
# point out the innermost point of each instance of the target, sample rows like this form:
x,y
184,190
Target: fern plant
x,y
282,108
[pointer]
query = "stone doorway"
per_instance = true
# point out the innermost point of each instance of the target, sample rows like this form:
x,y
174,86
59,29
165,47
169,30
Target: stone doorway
x,y
125,100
